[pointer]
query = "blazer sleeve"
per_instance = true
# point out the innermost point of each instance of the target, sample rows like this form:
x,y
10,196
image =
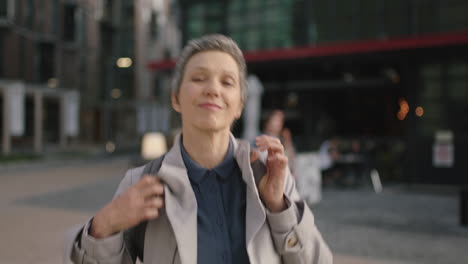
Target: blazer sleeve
x,y
84,249
294,232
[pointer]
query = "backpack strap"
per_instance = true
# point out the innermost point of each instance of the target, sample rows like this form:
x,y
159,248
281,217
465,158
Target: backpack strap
x,y
135,237
258,169
153,166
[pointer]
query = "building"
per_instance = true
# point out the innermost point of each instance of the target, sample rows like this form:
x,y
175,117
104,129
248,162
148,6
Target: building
x,y
392,72
132,100
48,49
159,39
96,48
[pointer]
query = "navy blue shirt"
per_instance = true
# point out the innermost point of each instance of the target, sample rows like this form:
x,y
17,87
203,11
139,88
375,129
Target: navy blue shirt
x,y
220,194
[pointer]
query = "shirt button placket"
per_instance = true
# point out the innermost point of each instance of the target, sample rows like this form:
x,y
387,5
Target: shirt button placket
x,y
212,180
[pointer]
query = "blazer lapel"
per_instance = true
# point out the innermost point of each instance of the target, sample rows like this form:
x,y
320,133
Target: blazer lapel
x,y
180,204
255,212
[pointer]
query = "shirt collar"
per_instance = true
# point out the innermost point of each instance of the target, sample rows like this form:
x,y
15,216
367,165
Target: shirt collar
x,y
225,168
197,173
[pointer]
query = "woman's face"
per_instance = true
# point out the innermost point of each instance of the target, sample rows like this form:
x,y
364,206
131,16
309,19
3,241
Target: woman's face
x,y
275,124
209,97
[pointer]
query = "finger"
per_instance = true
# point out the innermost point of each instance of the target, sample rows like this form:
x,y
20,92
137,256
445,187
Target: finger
x,y
253,156
267,140
150,213
278,159
273,145
263,138
155,202
147,179
155,189
276,163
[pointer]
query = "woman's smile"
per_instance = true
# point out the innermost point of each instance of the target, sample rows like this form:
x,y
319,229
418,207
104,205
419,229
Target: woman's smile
x,y
210,106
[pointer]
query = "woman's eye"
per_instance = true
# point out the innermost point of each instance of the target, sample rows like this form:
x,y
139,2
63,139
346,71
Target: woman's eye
x,y
228,83
198,78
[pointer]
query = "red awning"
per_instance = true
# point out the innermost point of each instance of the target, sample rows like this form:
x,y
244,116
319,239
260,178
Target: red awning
x,y
342,48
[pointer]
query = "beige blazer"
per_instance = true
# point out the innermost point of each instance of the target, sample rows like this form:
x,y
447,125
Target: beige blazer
x,y
287,237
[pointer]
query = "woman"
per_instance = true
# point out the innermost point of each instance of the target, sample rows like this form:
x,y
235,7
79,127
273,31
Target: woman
x,y
200,203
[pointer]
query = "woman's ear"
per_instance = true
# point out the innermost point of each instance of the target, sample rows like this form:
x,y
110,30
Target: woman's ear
x,y
175,102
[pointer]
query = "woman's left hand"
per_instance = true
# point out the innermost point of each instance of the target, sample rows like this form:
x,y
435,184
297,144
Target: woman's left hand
x,y
271,186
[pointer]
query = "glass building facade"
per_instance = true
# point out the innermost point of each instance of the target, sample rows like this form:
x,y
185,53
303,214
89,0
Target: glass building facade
x,y
267,24
358,94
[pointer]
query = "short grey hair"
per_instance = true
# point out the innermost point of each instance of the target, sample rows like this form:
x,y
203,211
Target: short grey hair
x,y
213,42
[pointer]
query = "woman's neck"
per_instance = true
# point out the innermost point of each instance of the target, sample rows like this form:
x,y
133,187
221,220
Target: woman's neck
x,y
207,149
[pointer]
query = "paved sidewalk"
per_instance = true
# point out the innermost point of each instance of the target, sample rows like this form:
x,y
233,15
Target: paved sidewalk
x,y
398,226
39,205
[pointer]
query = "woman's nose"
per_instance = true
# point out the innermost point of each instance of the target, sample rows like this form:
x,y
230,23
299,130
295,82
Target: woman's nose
x,y
212,88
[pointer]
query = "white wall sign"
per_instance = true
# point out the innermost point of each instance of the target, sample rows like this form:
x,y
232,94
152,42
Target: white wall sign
x,y
15,95
443,150
443,155
71,114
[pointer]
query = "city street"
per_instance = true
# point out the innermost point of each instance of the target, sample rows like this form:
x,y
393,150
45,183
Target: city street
x,y
39,204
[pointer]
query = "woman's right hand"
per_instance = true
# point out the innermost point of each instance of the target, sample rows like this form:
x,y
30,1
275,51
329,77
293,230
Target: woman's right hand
x,y
139,203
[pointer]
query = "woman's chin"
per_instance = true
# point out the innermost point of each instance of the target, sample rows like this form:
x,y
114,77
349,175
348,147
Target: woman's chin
x,y
209,124
212,127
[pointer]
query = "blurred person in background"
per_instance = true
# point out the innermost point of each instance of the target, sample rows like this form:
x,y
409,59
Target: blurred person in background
x,y
330,155
209,199
357,162
274,126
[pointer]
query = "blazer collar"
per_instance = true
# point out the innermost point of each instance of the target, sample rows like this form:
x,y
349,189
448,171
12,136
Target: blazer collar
x,y
255,212
181,204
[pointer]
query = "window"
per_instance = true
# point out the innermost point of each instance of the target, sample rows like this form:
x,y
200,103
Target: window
x,y
153,25
430,99
3,8
452,15
457,82
55,18
69,33
261,24
30,9
396,18
426,16
204,18
46,62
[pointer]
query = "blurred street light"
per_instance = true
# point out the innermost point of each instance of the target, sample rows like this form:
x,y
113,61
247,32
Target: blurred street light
x,y
292,100
404,109
52,83
153,145
110,147
124,62
419,111
116,93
